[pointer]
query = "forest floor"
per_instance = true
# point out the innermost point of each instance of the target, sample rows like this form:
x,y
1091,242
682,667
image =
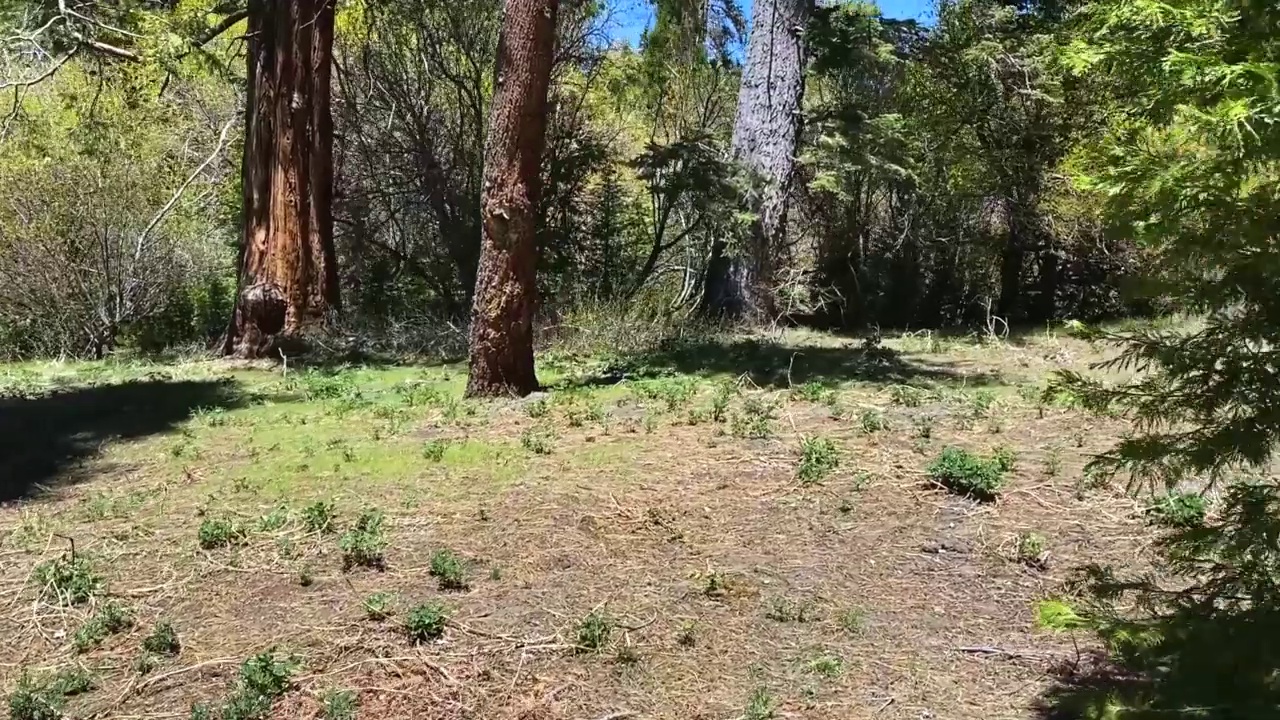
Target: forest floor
x,y
616,547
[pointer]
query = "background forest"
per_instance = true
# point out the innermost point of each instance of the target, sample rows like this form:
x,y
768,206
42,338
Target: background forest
x,y
934,185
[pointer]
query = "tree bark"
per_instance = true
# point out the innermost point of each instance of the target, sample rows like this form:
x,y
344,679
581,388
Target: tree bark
x,y
502,310
765,133
287,253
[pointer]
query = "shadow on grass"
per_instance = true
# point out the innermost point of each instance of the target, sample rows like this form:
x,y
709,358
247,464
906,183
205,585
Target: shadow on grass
x,y
776,365
44,439
1210,670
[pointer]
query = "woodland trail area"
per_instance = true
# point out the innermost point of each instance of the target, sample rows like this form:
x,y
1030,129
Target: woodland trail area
x,y
729,528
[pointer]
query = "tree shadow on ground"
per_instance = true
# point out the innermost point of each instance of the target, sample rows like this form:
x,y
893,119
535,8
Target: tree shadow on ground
x,y
44,439
777,365
1212,666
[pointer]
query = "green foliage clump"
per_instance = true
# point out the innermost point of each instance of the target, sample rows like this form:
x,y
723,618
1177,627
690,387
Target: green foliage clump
x,y
968,474
339,705
220,533
111,619
907,396
378,606
872,421
755,419
1177,509
263,678
784,609
68,580
812,391
434,450
1032,550
365,543
594,631
819,458
538,440
44,699
162,640
721,396
448,570
426,622
761,705
318,516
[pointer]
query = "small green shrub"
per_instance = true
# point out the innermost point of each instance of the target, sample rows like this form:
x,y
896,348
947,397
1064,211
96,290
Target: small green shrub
x,y
426,622
1032,549
761,706
1004,458
538,440
924,426
812,391
784,609
538,408
755,419
274,520
378,606
872,421
1053,462
448,570
162,640
263,678
365,543
318,517
44,699
68,580
720,399
965,473
111,619
434,450
687,635
1178,510
907,396
852,620
220,533
819,458
981,402
339,705
594,631
828,666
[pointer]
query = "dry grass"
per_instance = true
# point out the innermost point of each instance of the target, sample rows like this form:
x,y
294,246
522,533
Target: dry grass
x,y
896,599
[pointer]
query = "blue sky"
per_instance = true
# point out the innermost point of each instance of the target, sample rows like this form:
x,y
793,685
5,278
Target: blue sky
x,y
631,17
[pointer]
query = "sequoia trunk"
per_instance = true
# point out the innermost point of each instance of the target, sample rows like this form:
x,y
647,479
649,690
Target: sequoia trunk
x,y
502,310
288,271
765,133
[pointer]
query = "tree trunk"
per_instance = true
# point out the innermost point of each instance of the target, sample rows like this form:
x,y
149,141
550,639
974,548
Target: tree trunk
x,y
765,133
502,311
287,255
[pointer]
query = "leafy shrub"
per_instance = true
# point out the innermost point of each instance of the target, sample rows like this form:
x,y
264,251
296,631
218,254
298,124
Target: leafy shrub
x,y
1004,458
434,450
35,699
220,532
594,631
274,520
819,458
754,419
720,399
539,440
339,705
111,619
365,543
761,706
1032,549
1177,509
812,391
378,606
263,678
162,640
426,622
872,421
448,570
318,516
907,396
967,474
69,580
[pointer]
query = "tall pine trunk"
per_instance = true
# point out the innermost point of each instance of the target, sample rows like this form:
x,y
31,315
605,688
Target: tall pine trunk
x,y
288,270
502,310
765,133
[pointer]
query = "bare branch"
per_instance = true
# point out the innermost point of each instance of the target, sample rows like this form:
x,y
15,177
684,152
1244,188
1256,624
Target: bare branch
x,y
42,76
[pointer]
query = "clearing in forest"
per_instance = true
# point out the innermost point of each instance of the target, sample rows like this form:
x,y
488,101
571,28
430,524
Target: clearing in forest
x,y
802,526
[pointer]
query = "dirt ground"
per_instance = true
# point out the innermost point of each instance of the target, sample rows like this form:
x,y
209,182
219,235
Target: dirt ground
x,y
727,585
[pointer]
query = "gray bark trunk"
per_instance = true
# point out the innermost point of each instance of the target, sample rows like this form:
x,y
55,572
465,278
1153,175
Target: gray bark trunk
x,y
765,133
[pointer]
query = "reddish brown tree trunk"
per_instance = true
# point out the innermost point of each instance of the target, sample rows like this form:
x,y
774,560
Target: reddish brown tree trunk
x,y
502,310
288,271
